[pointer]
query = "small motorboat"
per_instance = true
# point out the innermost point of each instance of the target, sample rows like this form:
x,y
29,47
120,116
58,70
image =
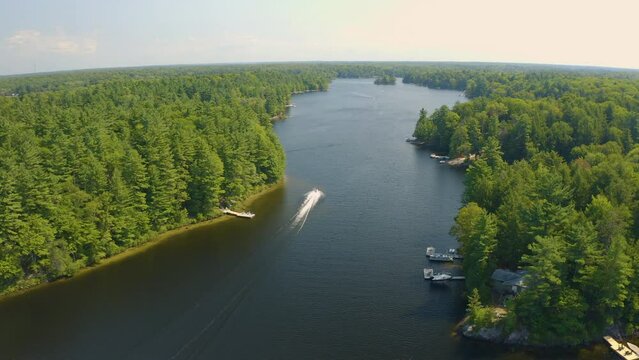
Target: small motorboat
x,y
429,274
441,277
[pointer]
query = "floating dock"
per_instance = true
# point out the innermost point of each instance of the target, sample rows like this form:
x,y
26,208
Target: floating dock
x,y
434,256
441,257
245,215
621,349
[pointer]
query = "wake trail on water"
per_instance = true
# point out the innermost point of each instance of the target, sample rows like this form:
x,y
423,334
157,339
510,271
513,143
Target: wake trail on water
x,y
362,95
311,199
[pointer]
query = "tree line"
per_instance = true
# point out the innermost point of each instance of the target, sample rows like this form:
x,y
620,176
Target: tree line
x,y
555,192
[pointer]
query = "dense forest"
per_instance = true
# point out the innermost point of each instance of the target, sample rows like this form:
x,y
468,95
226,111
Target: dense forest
x,y
92,163
554,192
97,161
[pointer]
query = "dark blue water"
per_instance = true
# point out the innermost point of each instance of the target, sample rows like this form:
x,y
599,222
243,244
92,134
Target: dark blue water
x,y
348,285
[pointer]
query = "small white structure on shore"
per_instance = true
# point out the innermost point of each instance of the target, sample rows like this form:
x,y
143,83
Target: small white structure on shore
x,y
246,215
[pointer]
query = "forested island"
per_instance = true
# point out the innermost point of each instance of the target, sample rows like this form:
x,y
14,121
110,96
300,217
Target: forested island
x,y
95,162
385,79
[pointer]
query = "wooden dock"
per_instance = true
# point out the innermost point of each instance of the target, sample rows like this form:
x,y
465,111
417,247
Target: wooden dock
x,y
621,349
246,215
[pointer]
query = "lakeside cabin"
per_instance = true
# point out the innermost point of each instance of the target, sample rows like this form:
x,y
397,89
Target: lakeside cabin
x,y
506,282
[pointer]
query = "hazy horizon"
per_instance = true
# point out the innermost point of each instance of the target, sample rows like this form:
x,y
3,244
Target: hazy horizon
x,y
575,67
39,36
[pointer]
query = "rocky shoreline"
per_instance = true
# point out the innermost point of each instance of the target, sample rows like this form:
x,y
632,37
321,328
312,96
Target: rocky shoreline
x,y
520,337
494,334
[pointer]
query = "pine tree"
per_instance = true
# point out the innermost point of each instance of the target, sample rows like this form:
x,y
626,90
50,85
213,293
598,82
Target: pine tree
x,y
206,179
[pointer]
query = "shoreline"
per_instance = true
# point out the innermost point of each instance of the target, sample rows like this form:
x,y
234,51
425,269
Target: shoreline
x,y
149,243
158,238
518,341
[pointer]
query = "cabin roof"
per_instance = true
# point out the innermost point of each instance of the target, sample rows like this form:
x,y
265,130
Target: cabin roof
x,y
508,277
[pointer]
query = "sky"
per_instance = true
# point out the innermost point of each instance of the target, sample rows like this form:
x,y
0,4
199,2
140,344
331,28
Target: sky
x,y
39,35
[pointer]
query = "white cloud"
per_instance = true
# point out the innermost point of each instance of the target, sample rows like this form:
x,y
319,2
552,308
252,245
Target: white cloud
x,y
23,38
33,41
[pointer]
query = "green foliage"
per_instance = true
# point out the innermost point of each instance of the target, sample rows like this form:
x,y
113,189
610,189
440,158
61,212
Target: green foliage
x,y
437,129
92,163
479,315
555,191
386,79
476,230
550,296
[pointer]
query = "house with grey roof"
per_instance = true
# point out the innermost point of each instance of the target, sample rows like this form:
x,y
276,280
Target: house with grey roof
x,y
508,282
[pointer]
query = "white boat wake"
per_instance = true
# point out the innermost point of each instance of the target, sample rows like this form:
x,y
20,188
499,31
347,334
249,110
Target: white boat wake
x,y
310,200
362,95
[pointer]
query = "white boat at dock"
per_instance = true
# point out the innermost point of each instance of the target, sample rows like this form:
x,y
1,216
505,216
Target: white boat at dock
x,y
441,277
430,274
245,215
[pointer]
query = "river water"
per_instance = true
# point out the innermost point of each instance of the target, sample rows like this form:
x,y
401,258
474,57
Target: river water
x,y
346,285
